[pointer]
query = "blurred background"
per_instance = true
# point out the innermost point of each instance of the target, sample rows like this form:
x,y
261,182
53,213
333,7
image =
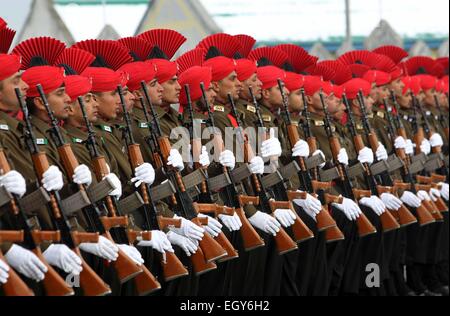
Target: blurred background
x,y
326,28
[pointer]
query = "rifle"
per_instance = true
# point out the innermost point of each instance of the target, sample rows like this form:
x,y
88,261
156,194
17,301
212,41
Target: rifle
x,y
209,249
442,117
324,219
397,129
387,220
365,227
53,283
283,241
250,237
386,180
90,282
14,285
172,266
196,144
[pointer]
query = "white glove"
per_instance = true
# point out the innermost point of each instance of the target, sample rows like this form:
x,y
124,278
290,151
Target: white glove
x,y
82,175
61,256
310,205
227,159
143,174
26,263
14,183
301,149
409,149
132,253
319,152
117,192
52,179
350,209
188,229
423,195
271,147
444,190
203,159
256,165
434,194
159,242
4,275
175,160
232,222
285,216
400,143
391,201
381,152
214,227
365,155
189,246
104,248
425,147
436,140
410,199
343,157
265,222
374,203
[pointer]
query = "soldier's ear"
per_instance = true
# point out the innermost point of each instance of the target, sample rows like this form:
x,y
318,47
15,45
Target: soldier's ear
x,y
215,86
137,93
39,104
309,99
265,94
71,108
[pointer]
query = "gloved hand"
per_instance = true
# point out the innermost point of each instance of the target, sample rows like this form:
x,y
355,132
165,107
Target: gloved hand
x,y
423,195
214,227
14,183
117,192
434,194
400,143
265,222
189,246
232,222
188,229
227,159
26,263
436,140
285,216
381,152
175,160
4,275
271,147
444,190
82,175
52,179
365,155
409,149
143,174
350,209
301,149
373,203
256,165
410,199
391,201
203,159
159,242
310,205
104,248
132,253
319,152
342,157
425,147
61,256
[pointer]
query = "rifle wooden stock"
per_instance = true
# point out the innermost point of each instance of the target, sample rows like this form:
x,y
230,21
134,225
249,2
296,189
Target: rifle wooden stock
x,y
11,236
14,285
134,235
359,142
331,198
438,178
439,203
164,222
333,234
172,267
402,215
312,144
300,230
116,221
419,136
146,282
373,141
211,248
250,237
199,264
81,237
68,158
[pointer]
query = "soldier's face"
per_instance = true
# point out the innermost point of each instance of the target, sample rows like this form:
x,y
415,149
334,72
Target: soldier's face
x,y
273,98
171,91
374,92
155,92
108,104
229,85
443,101
91,108
397,85
404,100
211,95
296,101
334,103
383,92
129,99
8,100
256,86
59,101
429,97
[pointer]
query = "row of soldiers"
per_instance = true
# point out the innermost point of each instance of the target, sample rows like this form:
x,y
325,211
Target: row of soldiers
x,y
228,171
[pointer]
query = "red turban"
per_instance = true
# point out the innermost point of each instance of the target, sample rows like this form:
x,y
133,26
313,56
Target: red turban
x,y
137,72
221,67
245,68
9,65
269,76
193,77
293,81
165,70
380,78
77,86
105,79
353,86
51,78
